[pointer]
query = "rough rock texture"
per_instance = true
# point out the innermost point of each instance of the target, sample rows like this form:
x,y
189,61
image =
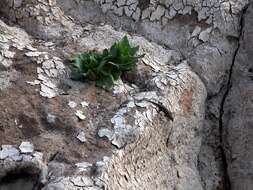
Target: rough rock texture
x,y
88,142
238,111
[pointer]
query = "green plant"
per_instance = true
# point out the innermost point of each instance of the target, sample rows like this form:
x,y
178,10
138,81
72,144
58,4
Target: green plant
x,y
105,67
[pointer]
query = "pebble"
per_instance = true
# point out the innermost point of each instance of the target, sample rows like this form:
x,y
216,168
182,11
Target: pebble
x,y
81,137
51,118
84,104
72,104
104,132
8,151
26,147
80,115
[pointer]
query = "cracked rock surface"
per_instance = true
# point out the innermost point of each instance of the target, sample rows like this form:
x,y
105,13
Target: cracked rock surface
x,y
238,109
73,135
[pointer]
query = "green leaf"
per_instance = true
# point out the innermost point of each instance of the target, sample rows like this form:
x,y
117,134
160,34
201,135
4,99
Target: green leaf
x,y
105,67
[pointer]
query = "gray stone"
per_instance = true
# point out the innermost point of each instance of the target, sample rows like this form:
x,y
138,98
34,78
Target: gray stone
x,y
81,137
238,112
51,118
72,104
104,132
80,115
204,35
8,151
26,147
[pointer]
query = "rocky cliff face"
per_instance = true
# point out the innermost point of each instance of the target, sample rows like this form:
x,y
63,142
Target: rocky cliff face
x,y
72,135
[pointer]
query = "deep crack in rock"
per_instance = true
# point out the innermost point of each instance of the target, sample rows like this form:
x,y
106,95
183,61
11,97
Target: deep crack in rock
x,y
222,146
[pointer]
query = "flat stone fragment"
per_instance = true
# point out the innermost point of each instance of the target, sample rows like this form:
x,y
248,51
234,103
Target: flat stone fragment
x,y
17,158
47,92
51,118
84,104
204,35
81,137
72,104
8,151
26,147
104,132
80,115
83,166
34,54
9,54
35,82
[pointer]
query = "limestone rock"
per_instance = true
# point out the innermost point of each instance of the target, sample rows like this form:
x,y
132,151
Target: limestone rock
x,y
26,147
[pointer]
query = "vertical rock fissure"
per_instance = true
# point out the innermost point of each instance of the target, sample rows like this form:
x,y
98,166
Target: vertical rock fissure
x,y
227,182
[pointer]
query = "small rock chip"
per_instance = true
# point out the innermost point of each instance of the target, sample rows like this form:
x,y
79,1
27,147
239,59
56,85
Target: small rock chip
x,y
83,166
51,118
34,54
81,137
204,35
9,54
104,132
26,147
72,104
35,82
80,115
131,104
8,151
17,158
38,155
84,104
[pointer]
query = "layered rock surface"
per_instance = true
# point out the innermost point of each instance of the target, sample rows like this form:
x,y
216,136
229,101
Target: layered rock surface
x,y
124,139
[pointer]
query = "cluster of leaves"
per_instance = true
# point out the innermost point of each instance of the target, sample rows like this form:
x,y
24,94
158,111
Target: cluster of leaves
x,y
106,67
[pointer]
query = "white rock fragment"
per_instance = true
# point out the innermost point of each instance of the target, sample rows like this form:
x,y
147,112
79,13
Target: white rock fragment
x,y
8,151
49,84
26,147
34,54
84,104
196,31
45,91
81,137
39,70
131,104
35,82
80,115
17,157
49,64
149,115
49,44
9,54
83,166
38,155
204,35
29,47
118,120
51,118
42,77
104,132
72,104
120,87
